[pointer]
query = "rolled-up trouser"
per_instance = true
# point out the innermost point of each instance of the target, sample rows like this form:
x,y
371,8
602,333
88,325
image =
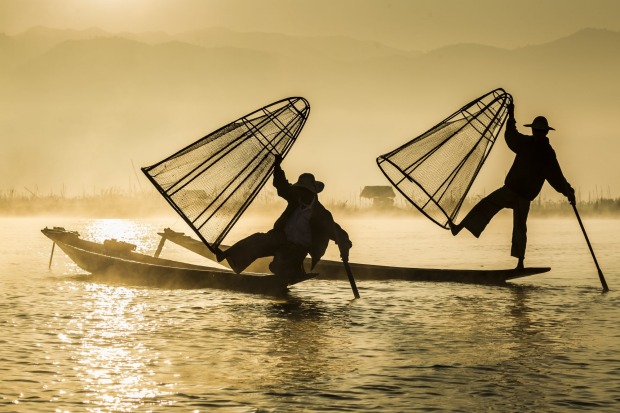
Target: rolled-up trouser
x,y
288,257
481,214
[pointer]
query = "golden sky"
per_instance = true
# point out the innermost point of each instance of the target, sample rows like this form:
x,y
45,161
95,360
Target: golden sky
x,y
413,24
86,114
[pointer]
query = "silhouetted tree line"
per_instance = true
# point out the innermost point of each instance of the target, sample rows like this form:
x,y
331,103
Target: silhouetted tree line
x,y
116,203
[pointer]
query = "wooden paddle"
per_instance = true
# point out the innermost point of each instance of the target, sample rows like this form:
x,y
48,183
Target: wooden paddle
x,y
351,279
600,273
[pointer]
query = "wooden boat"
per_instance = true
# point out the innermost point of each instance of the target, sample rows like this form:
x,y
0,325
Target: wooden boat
x,y
334,270
116,261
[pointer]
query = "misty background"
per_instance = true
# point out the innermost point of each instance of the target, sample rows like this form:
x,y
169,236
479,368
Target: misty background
x,y
94,90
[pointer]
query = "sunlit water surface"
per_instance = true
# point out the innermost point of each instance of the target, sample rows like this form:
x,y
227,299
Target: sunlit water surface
x,y
548,343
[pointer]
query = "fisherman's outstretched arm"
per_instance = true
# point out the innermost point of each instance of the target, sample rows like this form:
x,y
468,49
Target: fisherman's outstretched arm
x,y
282,185
341,237
514,139
556,179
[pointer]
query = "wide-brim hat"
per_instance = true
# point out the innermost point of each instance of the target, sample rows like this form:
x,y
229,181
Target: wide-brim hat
x,y
308,182
540,123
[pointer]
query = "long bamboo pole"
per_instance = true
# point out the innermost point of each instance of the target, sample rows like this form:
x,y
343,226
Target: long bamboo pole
x,y
600,273
351,279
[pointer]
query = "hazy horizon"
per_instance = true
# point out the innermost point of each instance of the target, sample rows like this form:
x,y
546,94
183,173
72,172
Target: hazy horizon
x,y
406,24
87,112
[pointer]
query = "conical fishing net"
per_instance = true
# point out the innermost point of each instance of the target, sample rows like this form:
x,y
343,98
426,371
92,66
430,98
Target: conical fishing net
x,y
211,182
436,170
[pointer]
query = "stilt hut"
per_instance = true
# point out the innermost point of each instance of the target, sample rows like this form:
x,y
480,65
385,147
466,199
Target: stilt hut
x,y
381,196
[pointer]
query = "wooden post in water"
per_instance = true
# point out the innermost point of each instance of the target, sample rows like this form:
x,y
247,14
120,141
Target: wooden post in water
x,y
49,266
600,273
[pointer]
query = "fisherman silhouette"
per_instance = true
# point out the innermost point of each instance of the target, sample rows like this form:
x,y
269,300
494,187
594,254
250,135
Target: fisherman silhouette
x,y
305,226
535,162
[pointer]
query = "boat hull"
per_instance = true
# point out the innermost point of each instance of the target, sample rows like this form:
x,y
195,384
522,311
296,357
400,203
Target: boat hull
x,y
125,266
334,270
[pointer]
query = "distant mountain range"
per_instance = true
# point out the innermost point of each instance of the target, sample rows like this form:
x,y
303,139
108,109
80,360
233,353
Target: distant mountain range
x,y
40,39
91,103
222,53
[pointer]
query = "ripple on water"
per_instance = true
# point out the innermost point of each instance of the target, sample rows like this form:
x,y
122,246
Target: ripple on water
x,y
546,343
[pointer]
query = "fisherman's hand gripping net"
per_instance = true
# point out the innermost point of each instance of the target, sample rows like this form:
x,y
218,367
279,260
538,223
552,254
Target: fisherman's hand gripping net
x,y
436,170
211,182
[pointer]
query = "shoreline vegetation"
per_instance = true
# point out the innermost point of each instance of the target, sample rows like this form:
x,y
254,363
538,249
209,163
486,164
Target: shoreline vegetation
x,y
112,203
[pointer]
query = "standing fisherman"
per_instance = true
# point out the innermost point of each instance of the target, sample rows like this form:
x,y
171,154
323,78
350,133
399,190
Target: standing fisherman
x,y
535,162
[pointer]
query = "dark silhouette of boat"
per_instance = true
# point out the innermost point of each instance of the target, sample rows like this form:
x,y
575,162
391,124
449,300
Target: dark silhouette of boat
x,y
335,270
116,261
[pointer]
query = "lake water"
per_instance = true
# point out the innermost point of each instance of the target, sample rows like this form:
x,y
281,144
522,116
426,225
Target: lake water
x,y
546,343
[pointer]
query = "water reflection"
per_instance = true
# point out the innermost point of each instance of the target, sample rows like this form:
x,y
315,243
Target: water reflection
x,y
115,367
131,231
550,344
302,335
529,341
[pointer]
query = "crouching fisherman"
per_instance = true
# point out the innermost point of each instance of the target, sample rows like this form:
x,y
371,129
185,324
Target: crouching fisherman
x,y
305,227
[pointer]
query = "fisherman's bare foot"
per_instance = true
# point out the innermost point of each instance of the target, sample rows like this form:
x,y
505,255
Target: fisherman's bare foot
x,y
234,265
454,228
520,264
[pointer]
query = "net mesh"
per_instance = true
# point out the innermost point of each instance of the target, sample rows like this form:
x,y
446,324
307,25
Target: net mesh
x,y
211,182
435,170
